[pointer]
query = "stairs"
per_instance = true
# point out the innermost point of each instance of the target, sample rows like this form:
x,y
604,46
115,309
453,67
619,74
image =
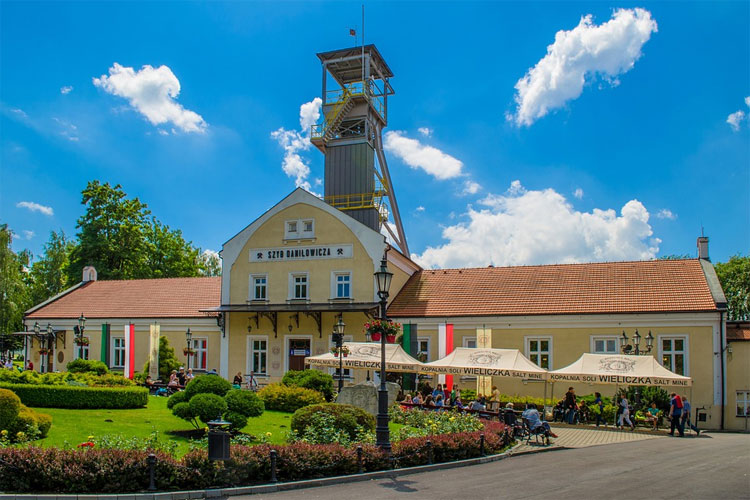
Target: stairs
x,y
337,115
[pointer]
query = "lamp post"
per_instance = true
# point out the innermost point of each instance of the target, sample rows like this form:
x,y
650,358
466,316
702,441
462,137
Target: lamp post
x,y
79,333
635,350
188,349
338,338
382,434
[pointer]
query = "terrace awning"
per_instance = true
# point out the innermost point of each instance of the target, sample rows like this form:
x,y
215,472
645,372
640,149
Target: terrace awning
x,y
487,362
366,356
618,369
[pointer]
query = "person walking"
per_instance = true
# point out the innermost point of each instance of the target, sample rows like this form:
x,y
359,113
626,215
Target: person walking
x,y
675,412
570,405
625,415
685,418
600,405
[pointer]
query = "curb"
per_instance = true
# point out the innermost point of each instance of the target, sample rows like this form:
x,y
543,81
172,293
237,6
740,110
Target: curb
x,y
292,485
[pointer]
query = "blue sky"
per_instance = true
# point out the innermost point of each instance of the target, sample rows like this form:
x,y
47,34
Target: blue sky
x,y
631,168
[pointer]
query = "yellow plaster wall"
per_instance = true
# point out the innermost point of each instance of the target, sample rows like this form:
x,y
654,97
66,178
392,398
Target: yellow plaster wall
x,y
738,379
328,231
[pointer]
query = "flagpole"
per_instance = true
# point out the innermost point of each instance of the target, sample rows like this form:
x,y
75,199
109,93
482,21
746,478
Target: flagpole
x,y
363,48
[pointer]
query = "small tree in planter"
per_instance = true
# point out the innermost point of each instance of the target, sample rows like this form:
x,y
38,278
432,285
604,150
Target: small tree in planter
x,y
377,328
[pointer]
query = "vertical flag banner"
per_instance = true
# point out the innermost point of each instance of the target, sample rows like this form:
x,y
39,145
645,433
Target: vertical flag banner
x,y
409,344
484,341
153,351
445,347
105,344
129,351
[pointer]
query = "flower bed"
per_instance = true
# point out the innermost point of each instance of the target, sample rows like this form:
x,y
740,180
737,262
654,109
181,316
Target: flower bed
x,y
93,470
68,396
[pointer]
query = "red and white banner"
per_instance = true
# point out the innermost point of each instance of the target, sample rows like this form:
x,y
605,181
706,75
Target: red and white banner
x,y
129,351
445,347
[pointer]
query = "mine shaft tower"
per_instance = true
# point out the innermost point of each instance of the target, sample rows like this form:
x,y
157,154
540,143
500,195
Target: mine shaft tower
x,y
355,111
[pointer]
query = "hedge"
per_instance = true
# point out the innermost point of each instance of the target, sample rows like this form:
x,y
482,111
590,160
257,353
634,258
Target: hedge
x,y
26,470
68,396
348,417
280,397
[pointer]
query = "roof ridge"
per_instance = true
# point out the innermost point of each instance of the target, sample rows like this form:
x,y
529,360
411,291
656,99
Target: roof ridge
x,y
569,264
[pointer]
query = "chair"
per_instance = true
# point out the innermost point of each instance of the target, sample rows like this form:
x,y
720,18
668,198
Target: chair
x,y
539,431
511,420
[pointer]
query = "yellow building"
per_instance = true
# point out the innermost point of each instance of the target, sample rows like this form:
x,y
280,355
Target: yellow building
x,y
738,376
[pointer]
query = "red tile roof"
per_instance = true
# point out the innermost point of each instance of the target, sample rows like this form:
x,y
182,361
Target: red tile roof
x,y
155,298
738,331
597,288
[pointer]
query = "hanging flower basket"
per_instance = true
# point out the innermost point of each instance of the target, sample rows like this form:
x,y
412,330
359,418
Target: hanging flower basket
x,y
81,341
43,352
188,352
375,329
344,351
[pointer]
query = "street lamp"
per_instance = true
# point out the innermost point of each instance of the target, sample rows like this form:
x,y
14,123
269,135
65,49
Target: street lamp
x,y
78,330
382,434
338,338
636,348
188,349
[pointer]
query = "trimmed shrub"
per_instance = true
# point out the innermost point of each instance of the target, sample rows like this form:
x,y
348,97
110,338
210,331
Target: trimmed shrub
x,y
66,378
310,379
207,406
245,403
238,420
176,398
65,396
167,360
10,405
182,410
87,365
279,397
207,383
348,418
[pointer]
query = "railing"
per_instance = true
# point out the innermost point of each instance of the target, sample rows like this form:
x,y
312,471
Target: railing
x,y
339,97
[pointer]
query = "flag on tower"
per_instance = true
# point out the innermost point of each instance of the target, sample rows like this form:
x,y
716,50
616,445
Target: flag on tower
x,y
352,32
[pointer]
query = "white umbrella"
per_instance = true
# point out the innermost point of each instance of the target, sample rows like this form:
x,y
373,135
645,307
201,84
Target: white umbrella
x,y
366,356
618,369
486,362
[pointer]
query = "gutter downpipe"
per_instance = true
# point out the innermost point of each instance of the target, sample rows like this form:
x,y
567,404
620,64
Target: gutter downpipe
x,y
722,353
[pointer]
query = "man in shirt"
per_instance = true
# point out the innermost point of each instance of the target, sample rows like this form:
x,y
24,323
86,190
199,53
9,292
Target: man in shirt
x,y
531,414
675,412
685,419
570,405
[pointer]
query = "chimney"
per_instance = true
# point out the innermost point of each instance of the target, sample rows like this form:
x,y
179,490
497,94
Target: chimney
x,y
703,247
89,273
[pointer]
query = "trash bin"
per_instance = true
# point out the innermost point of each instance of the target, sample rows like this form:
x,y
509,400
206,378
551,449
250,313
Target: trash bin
x,y
218,440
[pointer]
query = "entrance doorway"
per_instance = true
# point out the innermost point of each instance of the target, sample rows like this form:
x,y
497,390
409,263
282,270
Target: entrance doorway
x,y
298,350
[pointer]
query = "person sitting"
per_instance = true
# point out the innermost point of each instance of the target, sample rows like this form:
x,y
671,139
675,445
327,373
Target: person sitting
x,y
457,403
477,405
174,382
531,414
181,375
439,401
417,399
189,376
148,382
237,382
438,390
428,401
652,416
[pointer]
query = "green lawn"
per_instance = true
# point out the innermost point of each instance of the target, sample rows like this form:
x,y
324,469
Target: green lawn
x,y
75,426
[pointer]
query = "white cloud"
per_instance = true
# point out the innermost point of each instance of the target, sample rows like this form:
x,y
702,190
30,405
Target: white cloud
x,y
665,213
609,50
67,129
295,142
578,193
420,208
35,207
425,131
67,89
524,227
28,234
417,155
152,92
19,112
470,187
735,119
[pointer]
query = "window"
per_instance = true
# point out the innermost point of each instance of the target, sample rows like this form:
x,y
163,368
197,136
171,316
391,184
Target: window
x,y
118,352
258,355
299,229
298,286
743,403
81,351
423,347
308,228
291,229
342,285
604,344
539,351
259,287
199,360
674,354
470,342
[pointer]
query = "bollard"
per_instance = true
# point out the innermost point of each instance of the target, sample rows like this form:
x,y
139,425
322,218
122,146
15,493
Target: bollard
x,y
359,459
151,460
273,466
481,445
429,452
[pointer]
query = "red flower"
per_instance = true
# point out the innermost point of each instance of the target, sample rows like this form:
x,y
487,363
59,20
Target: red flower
x,y
87,444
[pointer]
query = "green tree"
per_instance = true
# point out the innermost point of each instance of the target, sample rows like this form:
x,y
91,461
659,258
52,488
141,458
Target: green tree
x,y
14,293
111,236
168,254
167,360
49,274
734,276
210,263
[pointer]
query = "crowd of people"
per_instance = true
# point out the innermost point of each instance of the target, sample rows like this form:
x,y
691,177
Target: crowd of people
x,y
450,397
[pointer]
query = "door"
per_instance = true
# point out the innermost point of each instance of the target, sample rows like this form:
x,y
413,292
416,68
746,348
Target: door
x,y
298,350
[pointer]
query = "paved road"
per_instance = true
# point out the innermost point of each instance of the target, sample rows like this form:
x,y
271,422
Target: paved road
x,y
712,466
